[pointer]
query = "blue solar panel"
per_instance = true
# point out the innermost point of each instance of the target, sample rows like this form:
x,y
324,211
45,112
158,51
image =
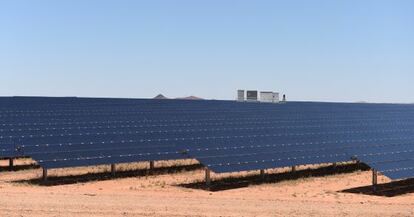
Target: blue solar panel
x,y
393,158
328,143
225,136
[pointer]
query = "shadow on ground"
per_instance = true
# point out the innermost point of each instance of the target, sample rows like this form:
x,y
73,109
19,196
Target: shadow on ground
x,y
245,181
19,167
101,176
390,189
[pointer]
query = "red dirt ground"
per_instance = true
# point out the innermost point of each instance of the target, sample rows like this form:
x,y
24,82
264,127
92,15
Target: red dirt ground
x,y
77,193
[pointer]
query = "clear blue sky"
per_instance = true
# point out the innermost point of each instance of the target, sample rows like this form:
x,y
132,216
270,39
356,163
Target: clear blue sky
x,y
332,50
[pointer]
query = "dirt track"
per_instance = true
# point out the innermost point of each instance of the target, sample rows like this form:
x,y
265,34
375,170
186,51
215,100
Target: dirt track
x,y
76,193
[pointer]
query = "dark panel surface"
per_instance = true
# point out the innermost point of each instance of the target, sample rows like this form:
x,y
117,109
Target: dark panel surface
x,y
226,136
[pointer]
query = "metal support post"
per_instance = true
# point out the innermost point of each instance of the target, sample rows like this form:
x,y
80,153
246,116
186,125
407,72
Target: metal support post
x,y
293,169
262,174
208,178
113,169
374,180
44,177
151,168
11,164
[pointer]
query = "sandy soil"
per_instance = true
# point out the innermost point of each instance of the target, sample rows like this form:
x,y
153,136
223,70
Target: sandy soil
x,y
178,191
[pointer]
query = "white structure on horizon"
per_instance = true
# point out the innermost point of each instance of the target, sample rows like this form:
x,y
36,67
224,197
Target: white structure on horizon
x,y
269,96
240,96
253,96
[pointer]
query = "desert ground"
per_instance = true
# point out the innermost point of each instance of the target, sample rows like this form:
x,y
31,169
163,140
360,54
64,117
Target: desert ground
x,y
176,188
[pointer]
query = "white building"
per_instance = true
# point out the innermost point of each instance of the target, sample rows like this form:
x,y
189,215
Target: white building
x,y
251,95
268,96
240,95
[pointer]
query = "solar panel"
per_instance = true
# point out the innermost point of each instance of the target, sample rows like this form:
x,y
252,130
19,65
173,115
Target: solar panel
x,y
225,136
323,144
393,158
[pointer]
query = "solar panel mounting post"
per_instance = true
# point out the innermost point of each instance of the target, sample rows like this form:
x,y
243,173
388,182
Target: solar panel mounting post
x,y
262,174
374,180
44,175
293,169
151,168
11,164
208,178
113,169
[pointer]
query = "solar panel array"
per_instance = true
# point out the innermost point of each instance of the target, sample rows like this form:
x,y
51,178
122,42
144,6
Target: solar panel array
x,y
225,136
324,133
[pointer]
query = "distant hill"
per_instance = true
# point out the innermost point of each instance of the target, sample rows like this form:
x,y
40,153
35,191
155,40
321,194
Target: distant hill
x,y
160,96
191,98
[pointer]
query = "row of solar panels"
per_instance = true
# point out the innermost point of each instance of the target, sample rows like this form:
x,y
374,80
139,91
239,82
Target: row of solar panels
x,y
18,107
225,136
